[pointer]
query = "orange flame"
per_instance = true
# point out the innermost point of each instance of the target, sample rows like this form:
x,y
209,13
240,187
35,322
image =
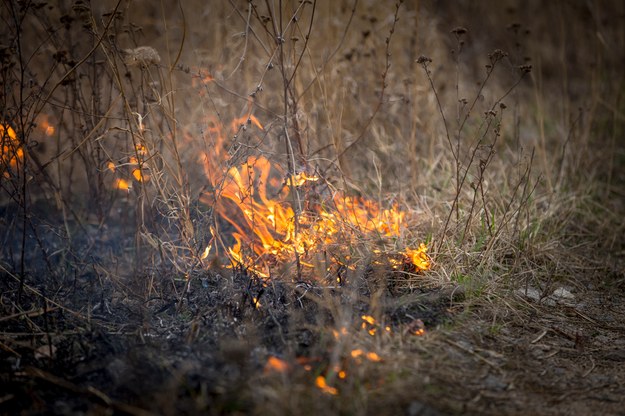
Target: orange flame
x,y
268,231
122,184
12,152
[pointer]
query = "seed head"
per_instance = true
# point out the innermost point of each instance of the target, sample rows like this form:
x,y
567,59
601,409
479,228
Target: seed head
x,y
423,60
141,56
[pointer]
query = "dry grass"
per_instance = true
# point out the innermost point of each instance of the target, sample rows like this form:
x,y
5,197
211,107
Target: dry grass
x,y
507,164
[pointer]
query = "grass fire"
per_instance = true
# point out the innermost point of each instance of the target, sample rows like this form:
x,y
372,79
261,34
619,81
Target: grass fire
x,y
304,207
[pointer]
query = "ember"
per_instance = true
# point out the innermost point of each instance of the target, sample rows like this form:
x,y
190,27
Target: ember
x,y
321,383
274,364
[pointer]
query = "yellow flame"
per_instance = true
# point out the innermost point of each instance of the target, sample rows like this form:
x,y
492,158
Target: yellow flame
x,y
206,251
368,319
301,178
122,184
419,257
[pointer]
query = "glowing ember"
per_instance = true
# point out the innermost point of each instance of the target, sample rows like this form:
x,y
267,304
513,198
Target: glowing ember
x,y
356,353
276,365
369,324
372,356
416,327
321,383
338,334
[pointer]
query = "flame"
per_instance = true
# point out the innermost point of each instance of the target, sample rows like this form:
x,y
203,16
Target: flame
x,y
265,227
419,257
242,122
206,251
12,153
277,218
122,184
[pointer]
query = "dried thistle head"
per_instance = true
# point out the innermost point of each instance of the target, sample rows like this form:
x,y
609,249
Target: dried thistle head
x,y
141,56
497,56
423,60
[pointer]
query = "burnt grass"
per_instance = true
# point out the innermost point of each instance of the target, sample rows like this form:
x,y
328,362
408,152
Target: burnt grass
x,y
75,341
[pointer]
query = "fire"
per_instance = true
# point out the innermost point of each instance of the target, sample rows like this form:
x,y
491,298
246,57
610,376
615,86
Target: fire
x,y
12,153
245,120
134,169
268,231
279,220
122,184
419,257
206,252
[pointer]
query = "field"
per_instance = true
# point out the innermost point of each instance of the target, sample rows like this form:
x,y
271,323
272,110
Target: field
x,y
305,207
